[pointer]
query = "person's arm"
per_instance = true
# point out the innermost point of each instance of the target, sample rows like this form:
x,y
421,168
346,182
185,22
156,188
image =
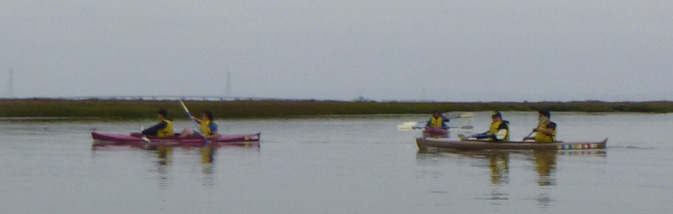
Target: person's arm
x,y
213,130
486,134
154,130
196,119
427,125
444,125
549,130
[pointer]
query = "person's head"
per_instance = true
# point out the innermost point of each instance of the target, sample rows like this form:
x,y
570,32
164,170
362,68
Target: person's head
x,y
436,114
163,113
544,113
208,115
496,116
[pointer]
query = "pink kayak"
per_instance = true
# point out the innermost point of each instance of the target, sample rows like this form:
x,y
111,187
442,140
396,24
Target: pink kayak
x,y
436,132
135,140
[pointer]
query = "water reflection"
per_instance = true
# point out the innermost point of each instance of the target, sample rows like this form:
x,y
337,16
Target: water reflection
x,y
544,161
207,157
165,155
165,159
545,166
499,164
207,154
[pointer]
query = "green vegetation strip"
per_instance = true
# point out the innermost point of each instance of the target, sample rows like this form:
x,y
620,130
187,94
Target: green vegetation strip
x,y
138,109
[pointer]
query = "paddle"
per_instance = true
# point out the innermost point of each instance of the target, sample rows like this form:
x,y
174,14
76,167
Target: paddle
x,y
531,133
142,136
192,119
456,115
461,127
450,127
410,125
538,125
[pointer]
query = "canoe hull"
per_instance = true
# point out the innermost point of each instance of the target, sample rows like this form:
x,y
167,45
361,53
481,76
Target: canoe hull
x,y
130,140
425,143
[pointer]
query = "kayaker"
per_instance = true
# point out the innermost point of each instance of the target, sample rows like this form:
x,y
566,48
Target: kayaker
x,y
437,121
162,129
498,131
546,129
207,127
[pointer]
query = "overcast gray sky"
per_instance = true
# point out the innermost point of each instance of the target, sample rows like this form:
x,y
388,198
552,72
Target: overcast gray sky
x,y
384,50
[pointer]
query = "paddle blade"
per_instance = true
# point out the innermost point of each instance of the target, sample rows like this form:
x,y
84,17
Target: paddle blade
x,y
466,127
410,123
455,115
466,115
406,126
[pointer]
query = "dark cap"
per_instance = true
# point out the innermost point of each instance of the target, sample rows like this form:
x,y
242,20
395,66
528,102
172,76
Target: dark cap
x,y
163,112
209,114
496,114
545,113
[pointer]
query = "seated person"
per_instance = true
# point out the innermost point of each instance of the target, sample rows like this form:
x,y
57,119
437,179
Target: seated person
x,y
207,126
437,121
498,131
546,129
162,129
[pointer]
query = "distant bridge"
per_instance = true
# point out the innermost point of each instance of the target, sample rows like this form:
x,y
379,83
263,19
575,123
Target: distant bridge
x,y
208,98
170,98
164,97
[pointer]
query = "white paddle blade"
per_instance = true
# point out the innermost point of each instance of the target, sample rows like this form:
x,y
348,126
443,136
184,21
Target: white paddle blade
x,y
466,115
406,126
455,115
466,127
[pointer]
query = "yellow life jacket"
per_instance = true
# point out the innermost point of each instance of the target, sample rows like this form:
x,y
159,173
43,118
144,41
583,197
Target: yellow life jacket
x,y
494,129
167,131
436,122
205,128
542,137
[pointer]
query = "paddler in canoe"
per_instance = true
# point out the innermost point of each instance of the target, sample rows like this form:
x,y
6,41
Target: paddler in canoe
x,y
206,125
437,121
546,129
498,131
162,129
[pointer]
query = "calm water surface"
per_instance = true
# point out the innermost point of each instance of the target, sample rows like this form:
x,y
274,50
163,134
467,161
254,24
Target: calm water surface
x,y
339,165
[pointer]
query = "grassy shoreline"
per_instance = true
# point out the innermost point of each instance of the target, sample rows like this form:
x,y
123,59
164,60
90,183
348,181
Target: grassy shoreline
x,y
135,109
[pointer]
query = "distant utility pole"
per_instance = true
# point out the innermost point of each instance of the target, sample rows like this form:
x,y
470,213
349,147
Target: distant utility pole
x,y
228,92
10,86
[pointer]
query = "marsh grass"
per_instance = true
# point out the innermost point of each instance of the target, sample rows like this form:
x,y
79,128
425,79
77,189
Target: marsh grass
x,y
135,109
